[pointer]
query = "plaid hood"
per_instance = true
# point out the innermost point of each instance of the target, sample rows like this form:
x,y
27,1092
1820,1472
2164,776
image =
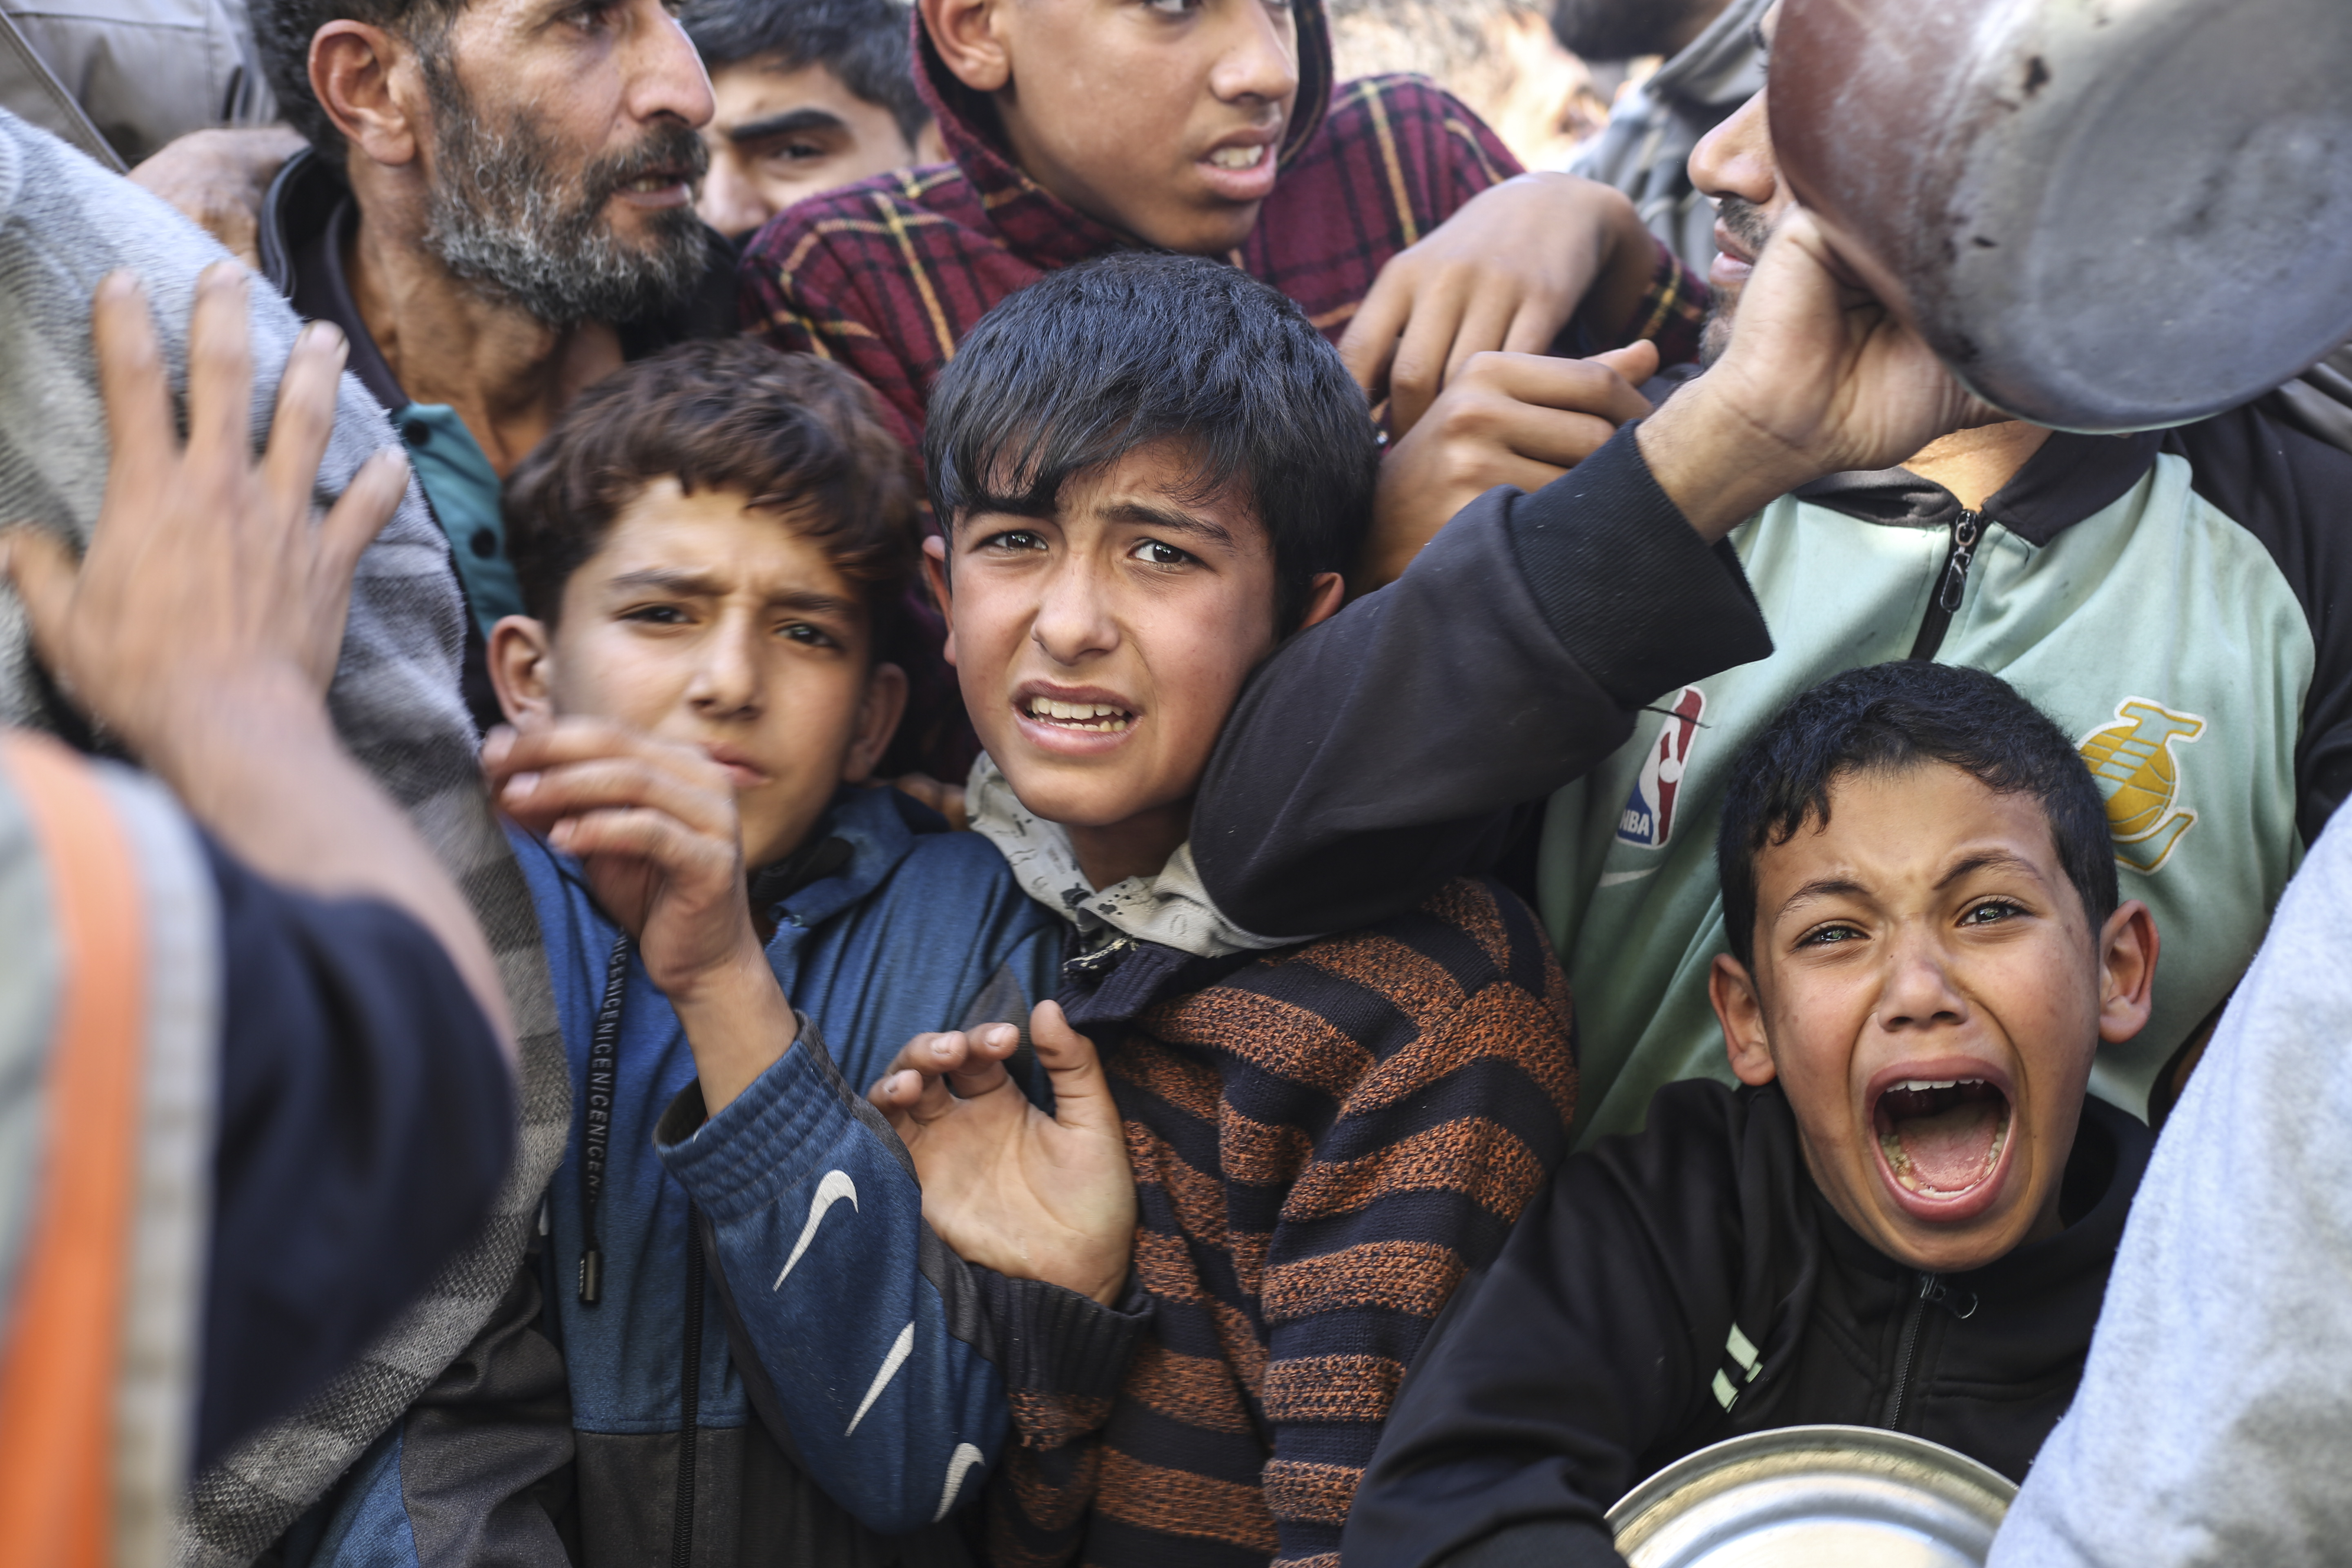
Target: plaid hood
x,y
1041,225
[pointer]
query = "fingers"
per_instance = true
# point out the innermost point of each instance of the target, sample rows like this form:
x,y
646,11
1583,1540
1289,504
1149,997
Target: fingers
x,y
1081,1097
1634,364
654,836
1369,344
508,755
304,417
43,570
359,514
1418,373
548,798
932,1072
131,376
220,369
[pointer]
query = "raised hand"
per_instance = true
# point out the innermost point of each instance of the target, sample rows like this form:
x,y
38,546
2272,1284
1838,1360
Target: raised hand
x,y
1007,1186
654,827
205,572
1508,419
1819,377
1506,272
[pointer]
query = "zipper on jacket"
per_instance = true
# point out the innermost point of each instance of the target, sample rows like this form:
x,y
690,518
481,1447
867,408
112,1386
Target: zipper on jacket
x,y
1966,530
596,1118
1906,1351
681,1527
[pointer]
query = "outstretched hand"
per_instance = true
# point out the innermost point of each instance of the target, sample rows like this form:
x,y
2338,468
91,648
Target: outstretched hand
x,y
1007,1186
206,579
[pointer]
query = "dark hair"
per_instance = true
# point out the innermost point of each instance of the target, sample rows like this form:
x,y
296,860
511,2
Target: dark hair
x,y
1887,717
867,43
282,31
1096,361
726,414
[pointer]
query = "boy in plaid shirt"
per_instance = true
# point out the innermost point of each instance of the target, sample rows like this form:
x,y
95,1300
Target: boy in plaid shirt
x,y
1210,127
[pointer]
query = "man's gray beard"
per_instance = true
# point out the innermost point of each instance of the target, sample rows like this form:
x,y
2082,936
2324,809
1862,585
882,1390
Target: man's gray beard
x,y
501,217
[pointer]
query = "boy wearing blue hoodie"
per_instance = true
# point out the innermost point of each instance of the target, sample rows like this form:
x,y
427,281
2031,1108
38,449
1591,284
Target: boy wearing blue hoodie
x,y
768,1356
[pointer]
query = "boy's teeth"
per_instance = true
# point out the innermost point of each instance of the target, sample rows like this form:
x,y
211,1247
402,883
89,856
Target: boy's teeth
x,y
1086,715
1238,157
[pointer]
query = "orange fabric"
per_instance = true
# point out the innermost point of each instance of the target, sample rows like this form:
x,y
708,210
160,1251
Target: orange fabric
x,y
58,1369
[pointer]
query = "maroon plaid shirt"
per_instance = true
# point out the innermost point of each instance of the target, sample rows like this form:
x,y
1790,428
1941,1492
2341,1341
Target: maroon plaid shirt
x,y
888,276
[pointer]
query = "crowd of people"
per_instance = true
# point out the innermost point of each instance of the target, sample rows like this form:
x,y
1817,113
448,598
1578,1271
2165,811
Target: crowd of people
x,y
1117,781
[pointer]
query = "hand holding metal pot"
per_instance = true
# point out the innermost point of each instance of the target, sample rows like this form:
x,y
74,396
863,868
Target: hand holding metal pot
x,y
2102,215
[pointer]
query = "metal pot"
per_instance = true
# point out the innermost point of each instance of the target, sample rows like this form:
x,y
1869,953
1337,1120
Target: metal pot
x,y
1814,1497
2103,215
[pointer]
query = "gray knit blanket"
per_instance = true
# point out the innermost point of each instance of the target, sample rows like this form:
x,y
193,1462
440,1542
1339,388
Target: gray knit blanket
x,y
64,223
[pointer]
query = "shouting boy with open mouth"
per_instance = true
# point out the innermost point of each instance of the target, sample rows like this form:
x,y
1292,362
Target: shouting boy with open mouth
x,y
1905,1219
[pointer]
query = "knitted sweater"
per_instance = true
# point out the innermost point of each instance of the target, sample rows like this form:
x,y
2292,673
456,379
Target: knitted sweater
x,y
1326,1139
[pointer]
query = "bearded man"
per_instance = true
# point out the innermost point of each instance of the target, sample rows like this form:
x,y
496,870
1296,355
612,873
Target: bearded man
x,y
495,206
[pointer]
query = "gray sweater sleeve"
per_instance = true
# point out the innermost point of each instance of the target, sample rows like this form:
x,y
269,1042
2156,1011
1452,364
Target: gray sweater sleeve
x,y
1380,754
2213,1418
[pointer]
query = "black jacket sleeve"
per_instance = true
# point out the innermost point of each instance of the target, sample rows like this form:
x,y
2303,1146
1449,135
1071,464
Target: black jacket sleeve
x,y
1377,755
1581,1356
366,1121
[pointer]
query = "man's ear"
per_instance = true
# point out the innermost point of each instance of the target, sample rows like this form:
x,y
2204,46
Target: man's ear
x,y
2127,949
1324,596
356,72
877,719
522,667
935,573
970,36
1740,1010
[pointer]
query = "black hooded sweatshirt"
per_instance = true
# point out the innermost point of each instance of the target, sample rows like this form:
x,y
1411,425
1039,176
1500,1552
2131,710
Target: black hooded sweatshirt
x,y
1690,1283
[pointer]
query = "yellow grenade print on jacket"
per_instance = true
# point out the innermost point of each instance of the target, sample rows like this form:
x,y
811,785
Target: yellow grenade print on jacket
x,y
2133,762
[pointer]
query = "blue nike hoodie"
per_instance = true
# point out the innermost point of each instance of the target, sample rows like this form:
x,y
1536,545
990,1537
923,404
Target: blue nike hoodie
x,y
764,1276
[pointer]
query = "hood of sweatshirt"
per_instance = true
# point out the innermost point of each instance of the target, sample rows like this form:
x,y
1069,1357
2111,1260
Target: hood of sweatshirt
x,y
1042,227
1170,909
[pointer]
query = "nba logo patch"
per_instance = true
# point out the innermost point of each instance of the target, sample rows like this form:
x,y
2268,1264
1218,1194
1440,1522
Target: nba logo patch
x,y
2133,762
1649,814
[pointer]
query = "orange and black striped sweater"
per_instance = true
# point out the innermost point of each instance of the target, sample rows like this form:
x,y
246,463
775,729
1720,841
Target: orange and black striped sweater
x,y
1326,1138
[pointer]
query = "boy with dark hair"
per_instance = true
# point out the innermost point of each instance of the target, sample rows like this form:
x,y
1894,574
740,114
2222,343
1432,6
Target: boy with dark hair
x,y
1151,469
1231,142
766,1356
1906,1216
809,96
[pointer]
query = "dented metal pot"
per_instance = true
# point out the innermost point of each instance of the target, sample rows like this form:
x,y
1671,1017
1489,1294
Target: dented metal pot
x,y
2103,215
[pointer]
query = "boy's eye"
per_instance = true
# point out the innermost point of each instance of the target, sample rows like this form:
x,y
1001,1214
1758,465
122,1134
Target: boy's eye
x,y
1172,7
1152,553
801,632
1990,912
656,615
1012,539
1829,936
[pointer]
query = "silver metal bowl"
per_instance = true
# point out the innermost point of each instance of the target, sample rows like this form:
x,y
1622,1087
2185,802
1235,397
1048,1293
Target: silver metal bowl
x,y
1815,1496
2103,216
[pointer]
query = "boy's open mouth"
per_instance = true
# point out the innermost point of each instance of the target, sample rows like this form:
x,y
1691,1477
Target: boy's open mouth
x,y
1942,1138
1089,718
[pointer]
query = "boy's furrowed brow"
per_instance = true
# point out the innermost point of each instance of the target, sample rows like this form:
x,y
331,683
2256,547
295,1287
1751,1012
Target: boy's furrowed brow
x,y
696,585
1823,888
1167,520
785,124
1989,860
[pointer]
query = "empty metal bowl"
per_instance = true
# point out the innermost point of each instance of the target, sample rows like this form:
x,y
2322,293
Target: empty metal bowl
x,y
2103,215
1815,1496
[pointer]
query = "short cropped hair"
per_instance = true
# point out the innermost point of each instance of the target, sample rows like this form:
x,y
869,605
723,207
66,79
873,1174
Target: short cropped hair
x,y
867,43
727,414
1094,362
282,31
1885,718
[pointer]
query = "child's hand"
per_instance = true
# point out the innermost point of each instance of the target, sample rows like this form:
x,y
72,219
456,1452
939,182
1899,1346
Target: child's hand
x,y
1008,1187
654,827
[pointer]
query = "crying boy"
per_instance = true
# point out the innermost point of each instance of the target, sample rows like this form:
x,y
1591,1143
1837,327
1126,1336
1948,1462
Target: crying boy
x,y
1905,1219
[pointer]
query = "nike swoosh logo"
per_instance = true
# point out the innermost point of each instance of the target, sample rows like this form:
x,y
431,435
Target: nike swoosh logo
x,y
900,1352
836,1186
964,1457
1613,879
